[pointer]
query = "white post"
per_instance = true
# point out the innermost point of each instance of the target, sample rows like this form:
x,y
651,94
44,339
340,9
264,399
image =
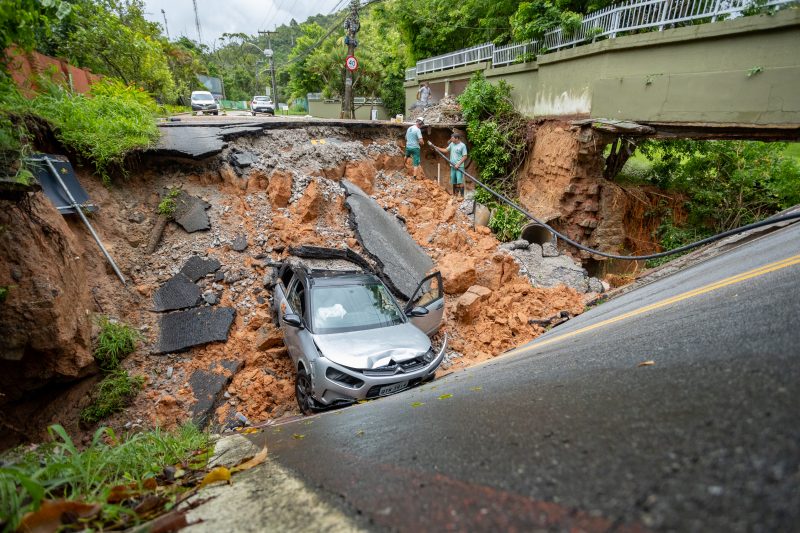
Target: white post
x,y
439,174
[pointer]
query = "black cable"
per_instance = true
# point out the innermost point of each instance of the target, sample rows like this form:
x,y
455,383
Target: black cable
x,y
713,238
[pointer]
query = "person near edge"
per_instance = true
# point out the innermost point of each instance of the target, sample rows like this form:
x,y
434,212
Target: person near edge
x,y
458,154
413,140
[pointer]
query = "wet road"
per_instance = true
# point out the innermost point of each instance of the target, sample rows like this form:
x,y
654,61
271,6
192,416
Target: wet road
x,y
574,432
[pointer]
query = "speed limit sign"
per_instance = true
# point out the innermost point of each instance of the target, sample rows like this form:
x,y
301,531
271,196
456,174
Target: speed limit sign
x,y
351,63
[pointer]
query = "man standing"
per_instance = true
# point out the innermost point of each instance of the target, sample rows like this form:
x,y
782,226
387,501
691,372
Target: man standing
x,y
413,139
458,154
425,94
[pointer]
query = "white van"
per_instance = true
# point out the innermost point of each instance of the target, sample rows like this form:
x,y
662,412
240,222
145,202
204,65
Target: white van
x,y
203,102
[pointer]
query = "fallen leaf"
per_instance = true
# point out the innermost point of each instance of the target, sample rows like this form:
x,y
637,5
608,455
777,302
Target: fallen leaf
x,y
308,422
298,436
150,503
360,433
646,363
247,431
417,404
476,389
259,458
362,401
220,473
445,396
52,514
150,483
168,523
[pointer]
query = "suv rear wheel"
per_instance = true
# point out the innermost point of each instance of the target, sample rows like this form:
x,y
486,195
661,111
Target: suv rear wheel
x,y
303,391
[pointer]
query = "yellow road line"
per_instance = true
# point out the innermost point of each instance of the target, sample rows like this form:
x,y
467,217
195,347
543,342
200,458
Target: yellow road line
x,y
760,271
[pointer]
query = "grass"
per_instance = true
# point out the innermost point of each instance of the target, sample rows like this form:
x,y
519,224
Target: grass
x,y
112,395
102,127
115,342
167,206
58,469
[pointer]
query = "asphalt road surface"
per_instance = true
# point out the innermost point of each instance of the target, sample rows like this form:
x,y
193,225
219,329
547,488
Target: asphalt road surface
x,y
674,407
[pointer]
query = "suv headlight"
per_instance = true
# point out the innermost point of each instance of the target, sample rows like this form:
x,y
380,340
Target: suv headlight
x,y
430,355
340,377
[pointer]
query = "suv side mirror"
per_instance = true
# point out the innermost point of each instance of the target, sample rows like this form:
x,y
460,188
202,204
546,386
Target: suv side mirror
x,y
417,311
293,320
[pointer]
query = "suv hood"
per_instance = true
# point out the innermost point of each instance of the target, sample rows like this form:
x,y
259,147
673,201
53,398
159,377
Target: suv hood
x,y
373,348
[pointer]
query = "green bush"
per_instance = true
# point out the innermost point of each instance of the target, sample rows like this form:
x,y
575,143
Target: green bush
x,y
112,395
506,222
58,469
115,342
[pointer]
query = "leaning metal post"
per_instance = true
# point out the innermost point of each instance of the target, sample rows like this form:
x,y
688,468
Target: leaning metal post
x,y
79,208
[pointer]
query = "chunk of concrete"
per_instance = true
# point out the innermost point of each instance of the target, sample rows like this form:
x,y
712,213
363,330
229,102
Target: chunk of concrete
x,y
468,304
197,267
550,250
183,329
239,243
403,262
243,159
179,292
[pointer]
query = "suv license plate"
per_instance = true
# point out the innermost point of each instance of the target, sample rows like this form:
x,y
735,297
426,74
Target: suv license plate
x,y
391,389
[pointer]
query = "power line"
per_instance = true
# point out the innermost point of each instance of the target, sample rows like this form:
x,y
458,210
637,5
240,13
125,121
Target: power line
x,y
197,23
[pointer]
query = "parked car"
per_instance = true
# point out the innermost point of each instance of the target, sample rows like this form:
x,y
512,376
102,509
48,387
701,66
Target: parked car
x,y
203,102
262,104
350,340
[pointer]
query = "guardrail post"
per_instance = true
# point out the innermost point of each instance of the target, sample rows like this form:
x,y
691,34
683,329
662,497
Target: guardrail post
x,y
716,10
665,14
614,24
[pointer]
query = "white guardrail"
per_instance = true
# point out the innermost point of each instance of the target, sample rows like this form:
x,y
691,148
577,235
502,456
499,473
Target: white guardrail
x,y
605,23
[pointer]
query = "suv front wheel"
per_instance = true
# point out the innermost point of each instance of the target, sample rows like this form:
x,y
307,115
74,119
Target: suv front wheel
x,y
303,391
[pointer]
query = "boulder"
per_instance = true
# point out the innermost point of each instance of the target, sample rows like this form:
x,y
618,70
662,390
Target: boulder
x,y
458,273
482,215
310,204
268,337
468,304
361,173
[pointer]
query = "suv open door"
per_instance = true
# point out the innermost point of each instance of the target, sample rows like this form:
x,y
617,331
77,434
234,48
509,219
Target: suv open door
x,y
430,297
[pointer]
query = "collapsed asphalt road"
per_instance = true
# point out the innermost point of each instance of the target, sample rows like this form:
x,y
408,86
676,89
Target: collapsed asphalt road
x,y
675,407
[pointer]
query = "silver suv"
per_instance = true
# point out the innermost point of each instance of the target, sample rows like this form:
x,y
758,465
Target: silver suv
x,y
262,104
203,102
350,340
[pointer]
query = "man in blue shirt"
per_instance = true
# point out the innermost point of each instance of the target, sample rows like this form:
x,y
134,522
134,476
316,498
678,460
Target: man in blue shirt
x,y
458,154
413,139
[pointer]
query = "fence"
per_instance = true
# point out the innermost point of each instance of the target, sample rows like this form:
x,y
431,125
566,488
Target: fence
x,y
25,67
608,22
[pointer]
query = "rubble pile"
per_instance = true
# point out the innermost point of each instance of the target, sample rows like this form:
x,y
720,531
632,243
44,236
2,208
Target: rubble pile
x,y
264,196
445,111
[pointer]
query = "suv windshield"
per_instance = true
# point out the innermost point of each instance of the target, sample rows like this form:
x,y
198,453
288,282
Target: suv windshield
x,y
202,96
261,99
339,309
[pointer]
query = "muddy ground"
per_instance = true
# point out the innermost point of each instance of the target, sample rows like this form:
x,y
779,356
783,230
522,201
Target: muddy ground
x,y
288,195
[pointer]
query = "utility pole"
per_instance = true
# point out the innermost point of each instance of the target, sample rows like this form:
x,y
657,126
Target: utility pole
x,y
269,53
197,23
166,28
351,26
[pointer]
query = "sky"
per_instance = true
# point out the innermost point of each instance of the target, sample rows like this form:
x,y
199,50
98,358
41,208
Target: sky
x,y
233,16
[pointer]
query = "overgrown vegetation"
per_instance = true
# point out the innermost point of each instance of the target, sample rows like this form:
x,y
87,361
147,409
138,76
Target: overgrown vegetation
x,y
115,342
496,131
112,471
112,395
102,127
728,184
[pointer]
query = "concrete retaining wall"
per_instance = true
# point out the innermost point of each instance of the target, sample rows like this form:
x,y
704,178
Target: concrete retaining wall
x,y
333,108
742,71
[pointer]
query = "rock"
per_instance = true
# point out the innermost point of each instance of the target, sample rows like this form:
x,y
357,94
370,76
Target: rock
x,y
170,370
210,297
232,276
232,450
279,189
482,215
520,244
458,273
595,285
136,217
550,250
268,337
468,304
449,213
239,243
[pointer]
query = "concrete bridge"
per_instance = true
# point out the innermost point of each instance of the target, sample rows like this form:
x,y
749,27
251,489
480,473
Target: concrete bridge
x,y
730,78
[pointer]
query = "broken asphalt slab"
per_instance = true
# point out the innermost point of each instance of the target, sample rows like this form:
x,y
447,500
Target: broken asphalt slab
x,y
179,292
190,212
183,329
402,260
207,388
198,142
197,267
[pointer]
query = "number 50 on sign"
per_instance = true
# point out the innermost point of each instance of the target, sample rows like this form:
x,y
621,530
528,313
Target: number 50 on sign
x,y
351,63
